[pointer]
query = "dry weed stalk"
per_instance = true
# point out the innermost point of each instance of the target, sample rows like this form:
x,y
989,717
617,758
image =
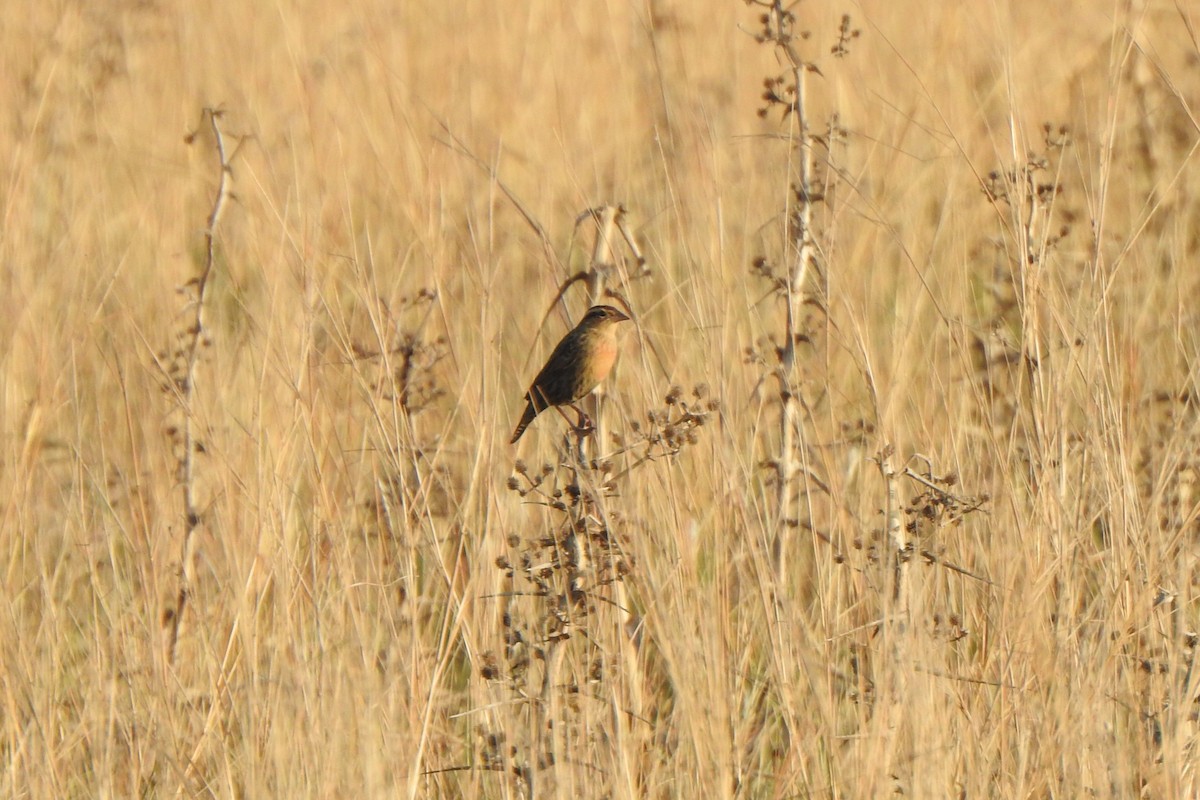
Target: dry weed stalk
x,y
573,667
1025,198
566,605
403,358
589,520
609,220
181,365
893,592
569,567
789,94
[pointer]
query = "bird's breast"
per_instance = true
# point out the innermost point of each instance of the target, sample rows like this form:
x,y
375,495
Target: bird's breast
x,y
601,354
606,354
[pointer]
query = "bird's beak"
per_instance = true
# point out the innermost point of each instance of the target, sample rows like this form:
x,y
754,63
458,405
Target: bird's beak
x,y
620,316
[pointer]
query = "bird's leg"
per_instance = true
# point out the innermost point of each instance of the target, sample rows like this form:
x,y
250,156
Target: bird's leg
x,y
585,426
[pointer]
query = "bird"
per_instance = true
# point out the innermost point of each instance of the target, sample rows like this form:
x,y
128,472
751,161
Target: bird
x,y
581,360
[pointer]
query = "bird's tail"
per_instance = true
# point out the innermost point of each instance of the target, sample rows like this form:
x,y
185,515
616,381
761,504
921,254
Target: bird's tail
x,y
526,418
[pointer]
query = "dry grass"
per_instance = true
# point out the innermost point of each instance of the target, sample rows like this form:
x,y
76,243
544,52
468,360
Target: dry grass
x,y
374,612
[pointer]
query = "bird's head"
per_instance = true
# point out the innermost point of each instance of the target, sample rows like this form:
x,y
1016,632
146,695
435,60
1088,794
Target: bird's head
x,y
602,316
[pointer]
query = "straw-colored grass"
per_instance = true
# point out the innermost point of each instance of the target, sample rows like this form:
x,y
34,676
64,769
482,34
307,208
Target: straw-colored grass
x,y
373,611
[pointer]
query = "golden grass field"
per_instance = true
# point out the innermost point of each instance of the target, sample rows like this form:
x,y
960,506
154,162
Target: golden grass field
x,y
1004,382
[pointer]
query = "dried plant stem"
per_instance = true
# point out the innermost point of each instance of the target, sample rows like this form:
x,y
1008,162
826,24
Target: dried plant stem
x,y
602,261
194,342
545,707
1032,234
800,245
896,536
611,220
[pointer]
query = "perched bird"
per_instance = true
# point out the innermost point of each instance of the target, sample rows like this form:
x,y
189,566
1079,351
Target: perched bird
x,y
582,359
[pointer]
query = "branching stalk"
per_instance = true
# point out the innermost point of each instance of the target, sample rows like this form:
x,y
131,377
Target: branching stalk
x,y
799,243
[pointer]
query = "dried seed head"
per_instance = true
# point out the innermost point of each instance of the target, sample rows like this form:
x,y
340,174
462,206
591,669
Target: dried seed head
x,y
489,670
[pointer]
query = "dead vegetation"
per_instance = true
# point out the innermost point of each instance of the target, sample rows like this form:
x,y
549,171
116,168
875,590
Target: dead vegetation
x,y
892,490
